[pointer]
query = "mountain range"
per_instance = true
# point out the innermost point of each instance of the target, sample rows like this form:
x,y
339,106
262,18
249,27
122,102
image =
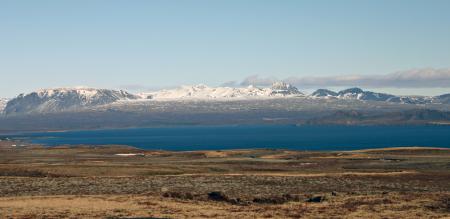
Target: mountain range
x,y
203,92
62,99
359,94
76,99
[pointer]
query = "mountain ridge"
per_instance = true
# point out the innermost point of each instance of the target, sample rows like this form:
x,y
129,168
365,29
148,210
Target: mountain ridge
x,y
72,99
60,99
201,91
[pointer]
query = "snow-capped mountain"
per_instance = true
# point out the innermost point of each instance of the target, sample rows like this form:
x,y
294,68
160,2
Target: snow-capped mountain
x,y
413,100
278,89
62,99
77,99
352,94
3,102
283,89
359,94
445,98
324,93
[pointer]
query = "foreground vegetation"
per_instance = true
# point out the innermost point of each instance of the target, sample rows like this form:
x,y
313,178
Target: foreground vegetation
x,y
123,182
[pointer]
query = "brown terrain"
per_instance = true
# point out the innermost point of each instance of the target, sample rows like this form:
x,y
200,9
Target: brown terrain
x,y
124,182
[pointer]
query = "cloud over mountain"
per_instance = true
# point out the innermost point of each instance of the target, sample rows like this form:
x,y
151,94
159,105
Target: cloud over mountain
x,y
415,78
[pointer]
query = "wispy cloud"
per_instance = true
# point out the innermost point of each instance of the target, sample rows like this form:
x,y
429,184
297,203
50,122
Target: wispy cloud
x,y
416,78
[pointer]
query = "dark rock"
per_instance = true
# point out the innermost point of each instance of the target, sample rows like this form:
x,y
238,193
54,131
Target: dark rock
x,y
276,199
316,199
218,196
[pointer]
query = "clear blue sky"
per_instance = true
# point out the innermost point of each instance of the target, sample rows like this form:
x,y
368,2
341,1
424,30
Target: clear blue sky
x,y
115,44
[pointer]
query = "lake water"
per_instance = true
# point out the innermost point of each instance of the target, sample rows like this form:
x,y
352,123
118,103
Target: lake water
x,y
261,136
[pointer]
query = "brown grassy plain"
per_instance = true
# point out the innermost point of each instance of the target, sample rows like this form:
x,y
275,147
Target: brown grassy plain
x,y
95,182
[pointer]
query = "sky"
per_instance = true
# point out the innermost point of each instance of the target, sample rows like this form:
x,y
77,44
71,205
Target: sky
x,y
381,45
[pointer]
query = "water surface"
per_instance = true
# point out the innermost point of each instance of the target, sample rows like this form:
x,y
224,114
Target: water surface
x,y
256,136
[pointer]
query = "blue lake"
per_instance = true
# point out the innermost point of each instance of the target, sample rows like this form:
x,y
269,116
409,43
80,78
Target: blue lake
x,y
257,136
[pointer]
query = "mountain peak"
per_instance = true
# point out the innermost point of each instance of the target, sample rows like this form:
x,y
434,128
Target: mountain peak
x,y
354,90
324,93
282,88
444,98
280,85
62,99
278,89
78,98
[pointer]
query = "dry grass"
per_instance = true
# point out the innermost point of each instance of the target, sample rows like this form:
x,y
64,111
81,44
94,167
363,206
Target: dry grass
x,y
374,206
93,182
402,149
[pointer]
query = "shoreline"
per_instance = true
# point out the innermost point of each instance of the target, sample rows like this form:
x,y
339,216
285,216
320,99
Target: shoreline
x,y
24,144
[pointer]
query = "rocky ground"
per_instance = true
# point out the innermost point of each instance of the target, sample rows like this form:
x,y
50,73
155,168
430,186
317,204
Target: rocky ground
x,y
123,182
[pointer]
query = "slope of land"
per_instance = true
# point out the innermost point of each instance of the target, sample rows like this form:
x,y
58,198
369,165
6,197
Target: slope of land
x,y
273,111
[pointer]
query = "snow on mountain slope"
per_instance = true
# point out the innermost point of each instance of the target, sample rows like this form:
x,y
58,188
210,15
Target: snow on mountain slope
x,y
444,98
3,102
62,99
278,89
73,99
324,93
413,99
352,94
359,94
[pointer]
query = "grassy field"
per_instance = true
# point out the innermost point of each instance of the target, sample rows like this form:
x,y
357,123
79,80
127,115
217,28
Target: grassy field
x,y
124,182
